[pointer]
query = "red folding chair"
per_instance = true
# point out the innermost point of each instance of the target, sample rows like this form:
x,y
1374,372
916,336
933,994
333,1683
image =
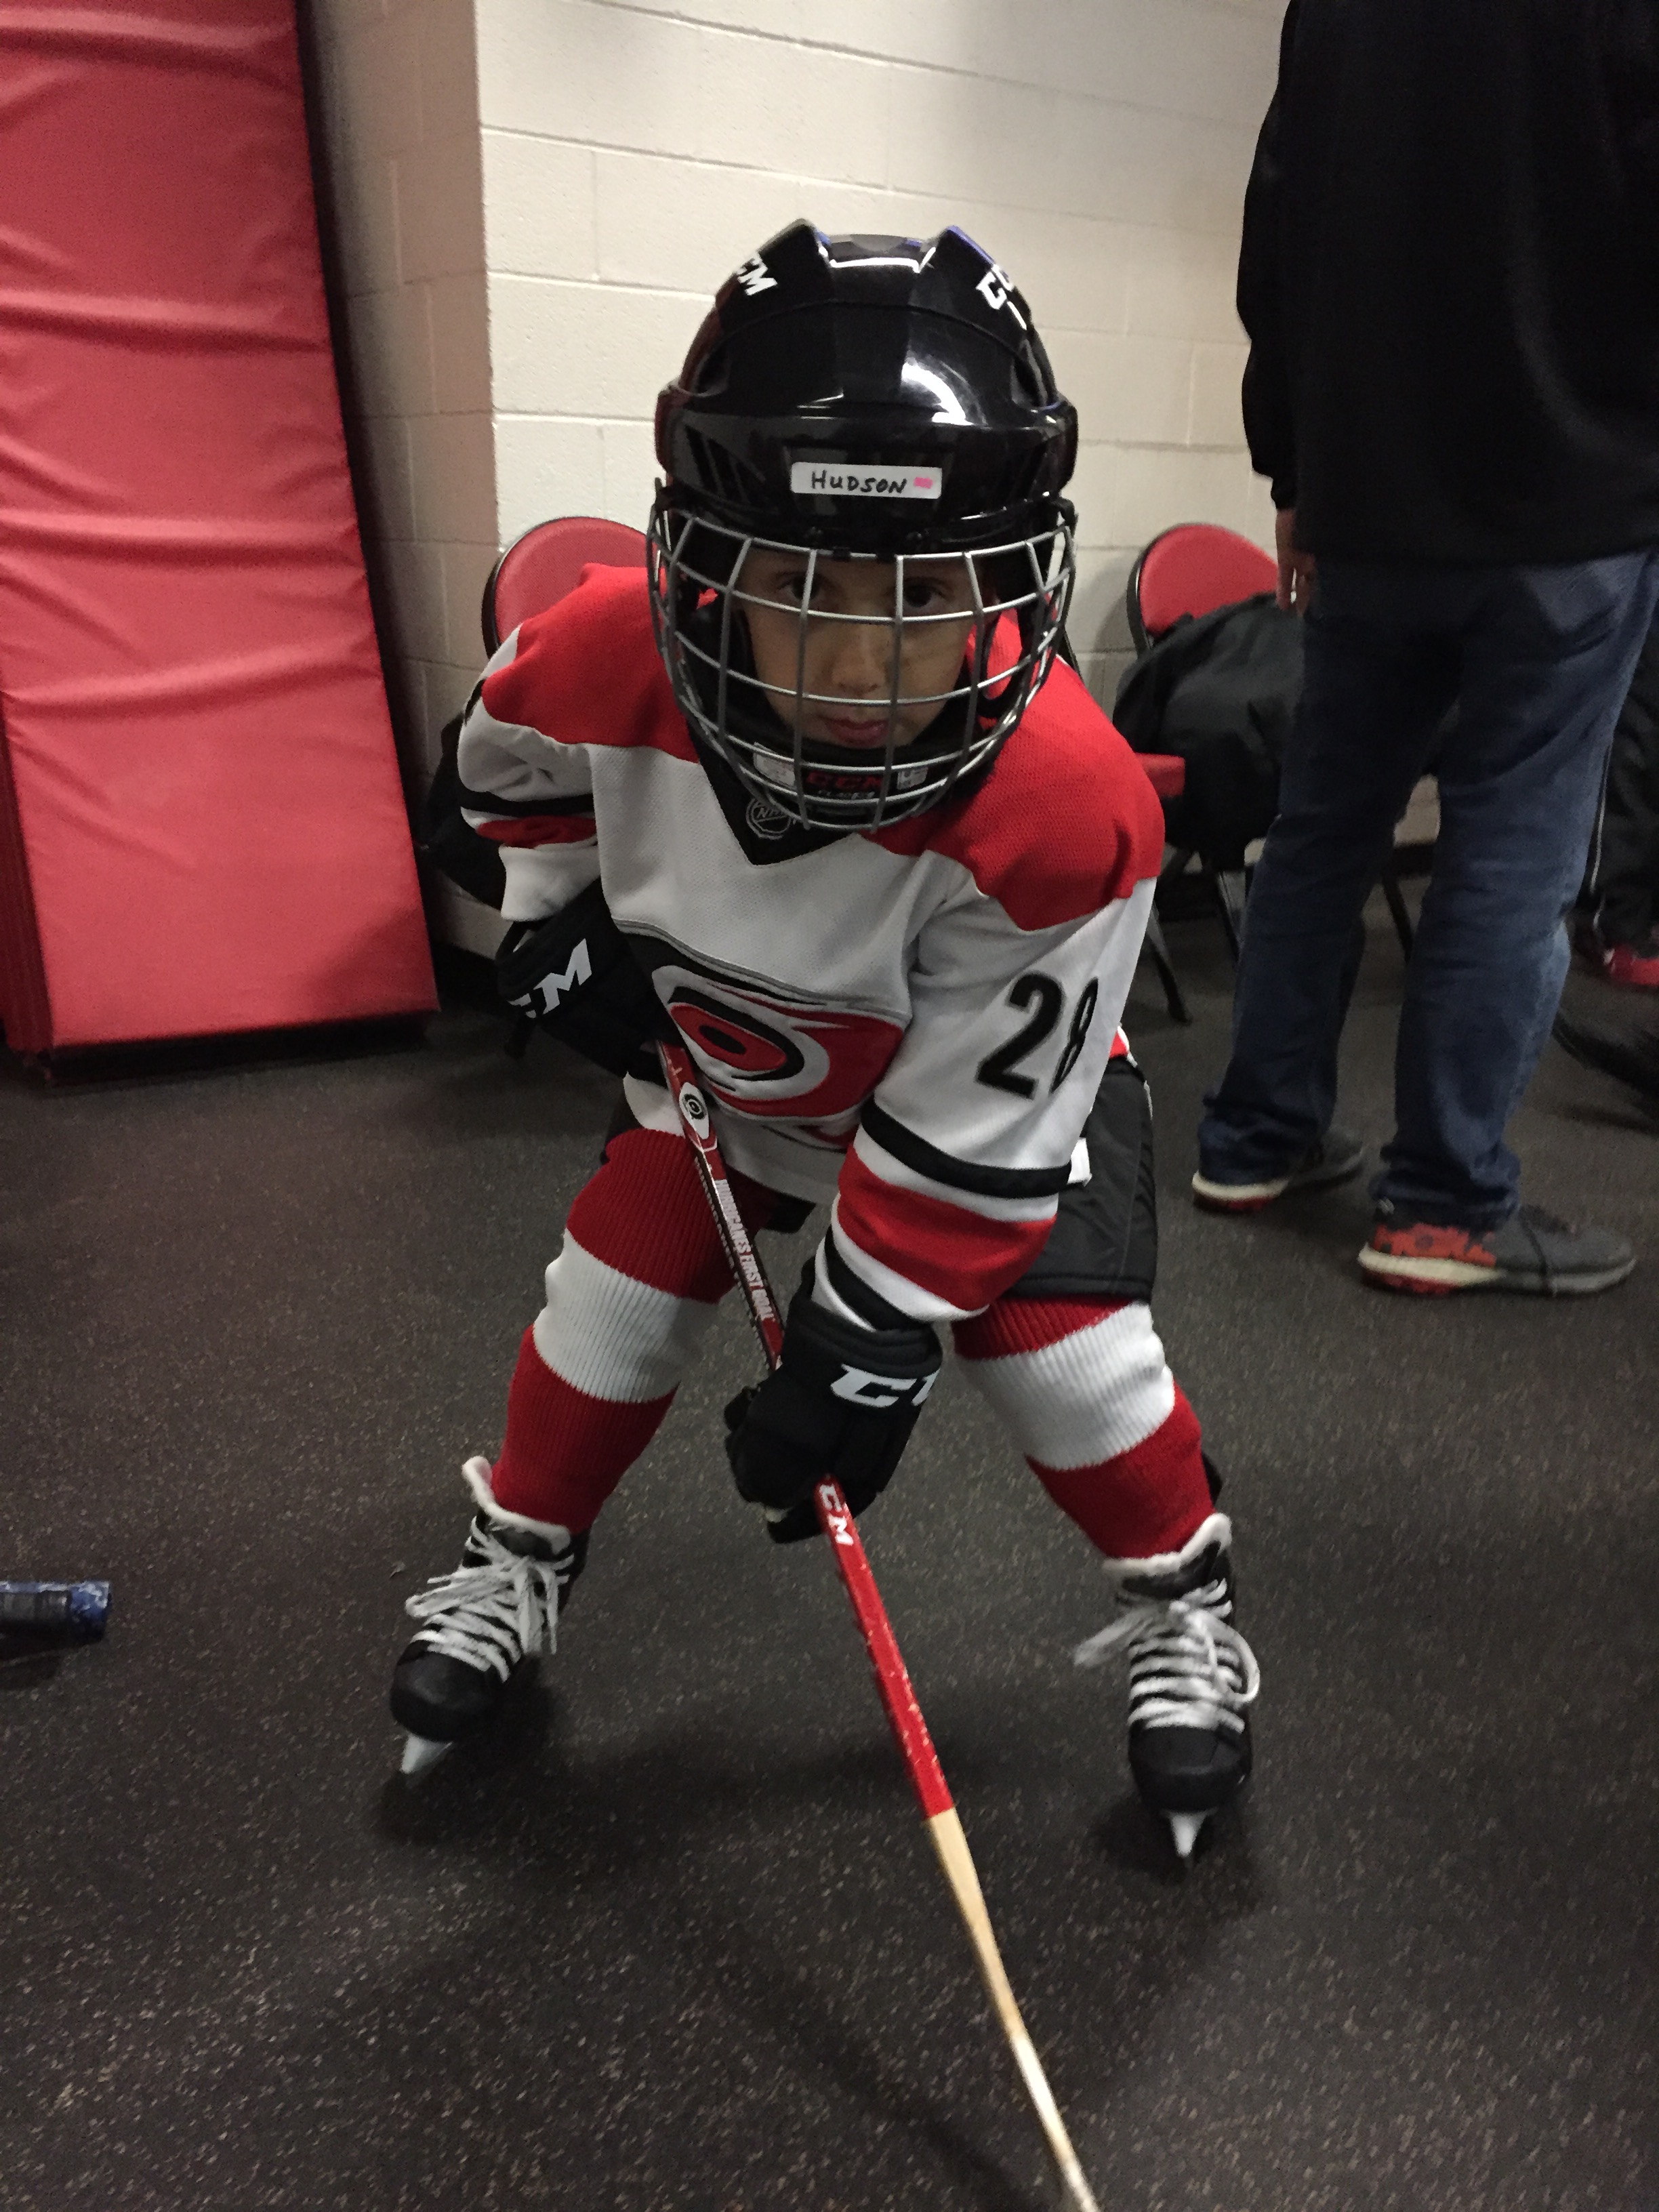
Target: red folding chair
x,y
540,567
1192,569
1166,774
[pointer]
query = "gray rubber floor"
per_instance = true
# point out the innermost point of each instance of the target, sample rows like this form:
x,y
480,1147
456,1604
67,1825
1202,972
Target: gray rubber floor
x,y
673,1937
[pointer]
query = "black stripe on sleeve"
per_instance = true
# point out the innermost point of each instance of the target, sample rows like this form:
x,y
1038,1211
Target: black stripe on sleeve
x,y
869,1305
961,1175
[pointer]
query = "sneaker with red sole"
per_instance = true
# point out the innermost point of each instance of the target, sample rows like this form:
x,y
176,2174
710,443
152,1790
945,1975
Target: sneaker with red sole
x,y
1533,1251
1636,966
1335,1157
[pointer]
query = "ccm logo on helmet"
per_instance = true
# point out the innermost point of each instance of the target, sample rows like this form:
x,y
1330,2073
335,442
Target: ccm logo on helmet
x,y
754,277
827,480
994,288
860,1387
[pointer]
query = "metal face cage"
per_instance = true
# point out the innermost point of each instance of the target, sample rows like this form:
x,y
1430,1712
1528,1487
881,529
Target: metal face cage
x,y
1011,602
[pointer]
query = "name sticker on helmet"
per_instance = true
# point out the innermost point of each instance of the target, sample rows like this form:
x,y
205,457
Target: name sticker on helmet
x,y
839,480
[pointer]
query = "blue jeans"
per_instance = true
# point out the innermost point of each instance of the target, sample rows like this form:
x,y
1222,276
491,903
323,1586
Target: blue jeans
x,y
1537,661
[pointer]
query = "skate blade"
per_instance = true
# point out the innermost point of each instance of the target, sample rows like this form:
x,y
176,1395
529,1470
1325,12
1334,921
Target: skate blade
x,y
420,1755
1183,1826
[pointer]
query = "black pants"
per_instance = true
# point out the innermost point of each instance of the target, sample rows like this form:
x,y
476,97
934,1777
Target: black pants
x,y
1621,884
1105,1241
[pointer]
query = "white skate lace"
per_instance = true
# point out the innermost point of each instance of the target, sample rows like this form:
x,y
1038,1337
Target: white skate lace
x,y
494,1614
1188,1668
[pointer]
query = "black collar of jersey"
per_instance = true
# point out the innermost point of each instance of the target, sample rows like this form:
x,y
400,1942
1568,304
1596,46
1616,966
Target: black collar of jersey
x,y
764,833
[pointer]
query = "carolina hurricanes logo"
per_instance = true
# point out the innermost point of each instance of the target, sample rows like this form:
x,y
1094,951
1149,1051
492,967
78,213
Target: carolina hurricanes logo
x,y
740,1041
765,1057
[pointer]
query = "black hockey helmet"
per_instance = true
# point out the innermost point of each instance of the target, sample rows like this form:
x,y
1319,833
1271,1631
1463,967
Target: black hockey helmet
x,y
874,400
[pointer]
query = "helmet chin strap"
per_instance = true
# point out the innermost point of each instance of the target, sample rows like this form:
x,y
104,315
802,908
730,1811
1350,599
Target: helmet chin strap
x,y
844,768
823,780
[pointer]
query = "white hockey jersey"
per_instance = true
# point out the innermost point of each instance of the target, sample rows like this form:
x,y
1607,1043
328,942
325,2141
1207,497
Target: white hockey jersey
x,y
909,1024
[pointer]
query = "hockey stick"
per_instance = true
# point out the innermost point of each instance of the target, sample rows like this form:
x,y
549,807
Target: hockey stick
x,y
847,1547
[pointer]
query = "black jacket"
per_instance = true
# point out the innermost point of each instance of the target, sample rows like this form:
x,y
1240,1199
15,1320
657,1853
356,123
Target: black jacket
x,y
1450,279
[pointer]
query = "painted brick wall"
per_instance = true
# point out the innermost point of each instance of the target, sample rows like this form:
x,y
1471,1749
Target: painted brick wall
x,y
398,83
633,154
540,196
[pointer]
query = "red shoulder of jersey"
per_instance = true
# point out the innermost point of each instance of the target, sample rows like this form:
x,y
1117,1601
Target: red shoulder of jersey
x,y
1065,822
588,672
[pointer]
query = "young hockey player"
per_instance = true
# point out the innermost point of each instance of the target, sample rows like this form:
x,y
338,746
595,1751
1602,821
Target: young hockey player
x,y
816,790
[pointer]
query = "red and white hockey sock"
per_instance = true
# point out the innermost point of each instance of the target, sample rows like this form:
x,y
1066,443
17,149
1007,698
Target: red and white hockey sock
x,y
1104,1426
629,1298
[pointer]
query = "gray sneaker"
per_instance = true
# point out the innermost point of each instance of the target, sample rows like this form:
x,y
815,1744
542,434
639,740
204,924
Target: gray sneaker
x,y
1533,1251
1336,1156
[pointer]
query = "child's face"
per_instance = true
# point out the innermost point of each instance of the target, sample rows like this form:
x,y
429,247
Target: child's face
x,y
851,662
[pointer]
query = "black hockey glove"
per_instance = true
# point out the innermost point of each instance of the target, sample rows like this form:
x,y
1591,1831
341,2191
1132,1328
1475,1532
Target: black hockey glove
x,y
575,975
842,1402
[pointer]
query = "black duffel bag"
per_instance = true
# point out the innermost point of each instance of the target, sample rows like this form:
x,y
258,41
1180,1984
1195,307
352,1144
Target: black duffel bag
x,y
1219,690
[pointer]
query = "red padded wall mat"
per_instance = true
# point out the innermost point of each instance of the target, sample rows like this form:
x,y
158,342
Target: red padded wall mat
x,y
202,829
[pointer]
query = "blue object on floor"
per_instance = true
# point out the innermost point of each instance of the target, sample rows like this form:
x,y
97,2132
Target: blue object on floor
x,y
77,1611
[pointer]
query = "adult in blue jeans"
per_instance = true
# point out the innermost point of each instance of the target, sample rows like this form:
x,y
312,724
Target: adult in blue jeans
x,y
1450,276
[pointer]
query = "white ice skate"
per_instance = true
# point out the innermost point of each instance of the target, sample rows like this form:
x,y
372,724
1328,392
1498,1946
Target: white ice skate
x,y
1191,1675
500,1606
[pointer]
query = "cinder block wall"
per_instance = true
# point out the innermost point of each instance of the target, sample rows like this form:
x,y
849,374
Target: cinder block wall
x,y
542,194
634,155
399,94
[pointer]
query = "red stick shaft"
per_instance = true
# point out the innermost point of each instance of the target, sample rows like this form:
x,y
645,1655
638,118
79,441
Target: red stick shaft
x,y
835,1515
892,1678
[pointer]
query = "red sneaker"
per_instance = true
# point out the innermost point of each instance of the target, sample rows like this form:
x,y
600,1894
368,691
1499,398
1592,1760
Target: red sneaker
x,y
1635,965
1533,1251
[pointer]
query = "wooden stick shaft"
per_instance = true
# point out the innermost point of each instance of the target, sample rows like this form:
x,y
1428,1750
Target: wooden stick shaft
x,y
892,1678
951,1844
